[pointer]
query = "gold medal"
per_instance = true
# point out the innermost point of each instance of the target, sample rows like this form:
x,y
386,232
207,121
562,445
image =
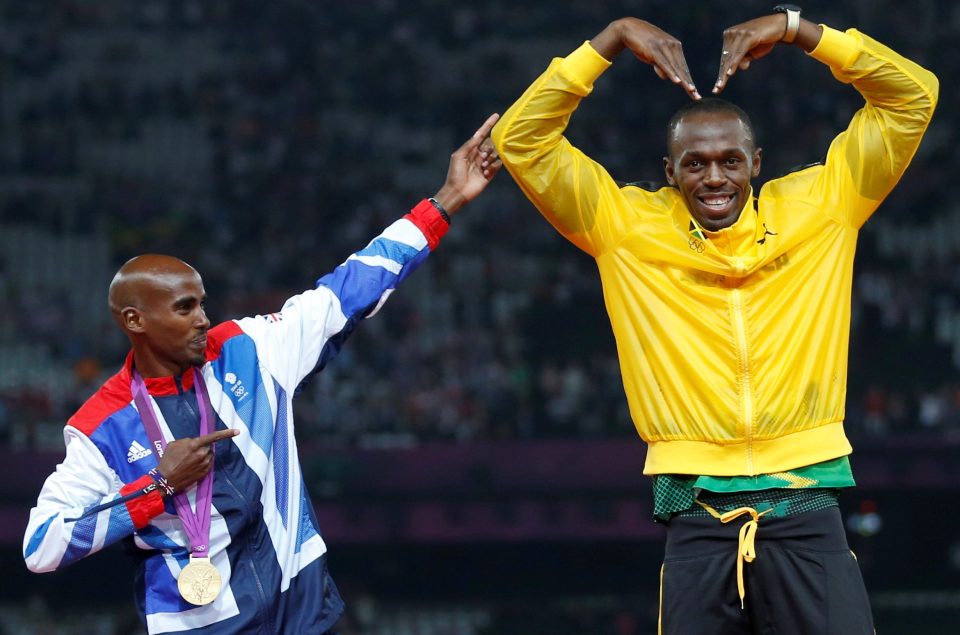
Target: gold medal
x,y
199,581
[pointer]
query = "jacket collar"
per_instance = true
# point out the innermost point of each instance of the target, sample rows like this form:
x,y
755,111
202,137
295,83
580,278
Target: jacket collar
x,y
157,386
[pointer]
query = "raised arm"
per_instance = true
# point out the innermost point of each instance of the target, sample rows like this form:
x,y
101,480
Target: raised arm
x,y
754,39
865,161
573,192
311,327
650,45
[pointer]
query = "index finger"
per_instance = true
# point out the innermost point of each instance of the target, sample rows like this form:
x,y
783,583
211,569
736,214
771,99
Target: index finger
x,y
484,131
687,81
730,59
219,435
671,64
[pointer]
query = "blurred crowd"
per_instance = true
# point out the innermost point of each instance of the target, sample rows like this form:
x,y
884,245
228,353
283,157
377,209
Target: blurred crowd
x,y
264,142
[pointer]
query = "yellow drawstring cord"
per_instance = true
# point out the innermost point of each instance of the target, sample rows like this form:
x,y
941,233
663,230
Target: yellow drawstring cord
x,y
745,545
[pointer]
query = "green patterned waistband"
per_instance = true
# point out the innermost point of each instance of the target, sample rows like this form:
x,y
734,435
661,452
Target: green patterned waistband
x,y
802,490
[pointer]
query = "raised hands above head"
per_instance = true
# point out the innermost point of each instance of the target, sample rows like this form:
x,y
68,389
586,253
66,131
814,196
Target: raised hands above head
x,y
649,44
751,40
742,43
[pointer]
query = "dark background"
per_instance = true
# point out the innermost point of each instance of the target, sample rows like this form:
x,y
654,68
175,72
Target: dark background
x,y
469,453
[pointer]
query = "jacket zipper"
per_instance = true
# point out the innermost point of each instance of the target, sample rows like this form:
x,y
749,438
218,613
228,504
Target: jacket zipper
x,y
264,603
746,403
265,607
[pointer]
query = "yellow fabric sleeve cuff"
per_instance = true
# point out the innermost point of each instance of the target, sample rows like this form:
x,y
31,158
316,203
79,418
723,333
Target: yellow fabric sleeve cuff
x,y
585,65
836,48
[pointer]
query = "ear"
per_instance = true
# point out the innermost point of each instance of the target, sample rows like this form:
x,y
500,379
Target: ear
x,y
132,319
757,156
668,171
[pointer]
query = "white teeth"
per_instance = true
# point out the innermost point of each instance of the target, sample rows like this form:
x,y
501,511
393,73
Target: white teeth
x,y
716,202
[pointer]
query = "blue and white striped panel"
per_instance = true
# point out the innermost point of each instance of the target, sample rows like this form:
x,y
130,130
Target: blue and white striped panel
x,y
306,529
37,538
243,385
81,537
96,531
281,455
282,497
362,280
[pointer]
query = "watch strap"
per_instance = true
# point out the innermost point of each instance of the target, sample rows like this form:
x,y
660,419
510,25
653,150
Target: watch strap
x,y
793,21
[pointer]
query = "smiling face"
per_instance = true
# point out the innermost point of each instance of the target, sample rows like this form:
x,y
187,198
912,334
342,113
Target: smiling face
x,y
159,302
712,157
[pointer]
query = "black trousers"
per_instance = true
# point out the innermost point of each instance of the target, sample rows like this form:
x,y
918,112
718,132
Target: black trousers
x,y
804,580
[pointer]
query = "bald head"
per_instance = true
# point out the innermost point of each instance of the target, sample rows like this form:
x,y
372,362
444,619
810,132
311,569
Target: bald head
x,y
158,302
142,276
707,106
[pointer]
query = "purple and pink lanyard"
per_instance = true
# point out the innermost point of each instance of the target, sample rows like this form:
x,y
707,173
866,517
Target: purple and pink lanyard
x,y
196,524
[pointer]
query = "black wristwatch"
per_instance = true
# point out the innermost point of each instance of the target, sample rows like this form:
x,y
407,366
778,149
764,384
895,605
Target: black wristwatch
x,y
793,20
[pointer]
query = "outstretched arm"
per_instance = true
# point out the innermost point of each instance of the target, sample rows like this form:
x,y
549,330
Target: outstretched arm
x,y
865,161
311,327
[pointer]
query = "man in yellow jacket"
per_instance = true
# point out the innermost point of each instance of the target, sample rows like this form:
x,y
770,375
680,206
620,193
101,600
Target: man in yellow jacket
x,y
731,313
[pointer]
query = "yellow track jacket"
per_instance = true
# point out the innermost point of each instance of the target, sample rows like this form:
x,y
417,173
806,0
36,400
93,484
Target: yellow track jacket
x,y
732,345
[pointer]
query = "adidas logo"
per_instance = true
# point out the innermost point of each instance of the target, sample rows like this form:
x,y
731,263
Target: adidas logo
x,y
136,452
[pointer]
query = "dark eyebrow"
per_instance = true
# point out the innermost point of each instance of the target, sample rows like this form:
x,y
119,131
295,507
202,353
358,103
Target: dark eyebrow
x,y
695,154
188,301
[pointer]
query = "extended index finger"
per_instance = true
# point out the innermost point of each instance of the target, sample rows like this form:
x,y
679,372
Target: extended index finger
x,y
686,79
219,435
731,57
671,64
484,131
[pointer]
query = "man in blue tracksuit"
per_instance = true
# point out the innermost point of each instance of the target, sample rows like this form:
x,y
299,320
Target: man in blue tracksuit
x,y
219,403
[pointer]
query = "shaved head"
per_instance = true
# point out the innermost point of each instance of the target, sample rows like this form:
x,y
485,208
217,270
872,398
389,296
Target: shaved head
x,y
140,276
158,302
709,105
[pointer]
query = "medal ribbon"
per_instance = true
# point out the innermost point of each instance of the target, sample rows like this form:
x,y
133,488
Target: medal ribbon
x,y
195,524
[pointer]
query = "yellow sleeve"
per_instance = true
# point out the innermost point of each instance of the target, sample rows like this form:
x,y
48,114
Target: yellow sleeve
x,y
866,161
573,192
